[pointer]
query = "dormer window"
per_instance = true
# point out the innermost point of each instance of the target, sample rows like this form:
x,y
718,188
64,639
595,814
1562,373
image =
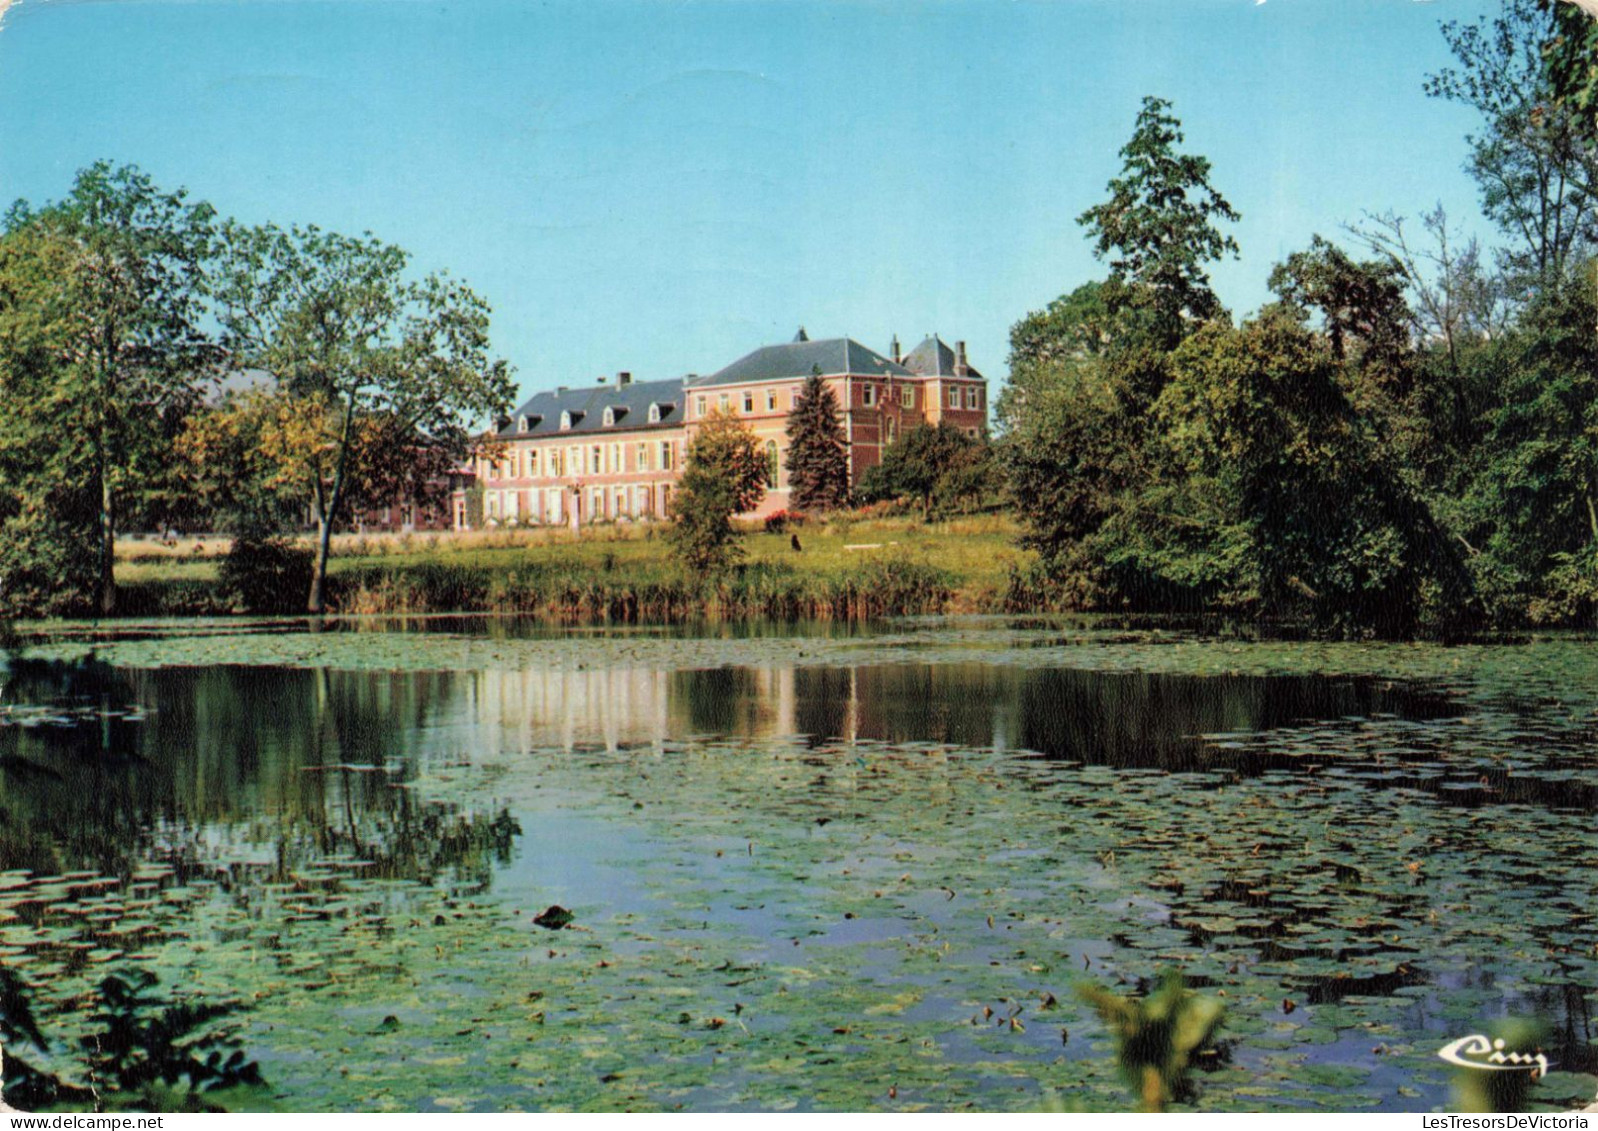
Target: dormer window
x,y
654,414
565,421
521,424
610,417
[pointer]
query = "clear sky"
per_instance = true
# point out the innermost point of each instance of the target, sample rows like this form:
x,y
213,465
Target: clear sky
x,y
663,186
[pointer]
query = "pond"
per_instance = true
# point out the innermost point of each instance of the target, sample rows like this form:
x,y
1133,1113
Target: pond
x,y
808,869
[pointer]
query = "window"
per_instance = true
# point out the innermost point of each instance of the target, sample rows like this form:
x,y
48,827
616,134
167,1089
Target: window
x,y
771,463
870,394
749,402
723,402
893,429
971,397
641,458
668,455
954,398
699,406
521,424
771,400
907,396
565,421
532,464
654,414
610,417
598,455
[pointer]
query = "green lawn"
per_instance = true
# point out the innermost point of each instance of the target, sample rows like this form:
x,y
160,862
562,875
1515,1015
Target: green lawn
x,y
972,556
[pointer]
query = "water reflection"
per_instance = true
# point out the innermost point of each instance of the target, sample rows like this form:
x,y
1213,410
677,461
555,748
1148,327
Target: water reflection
x,y
314,756
213,768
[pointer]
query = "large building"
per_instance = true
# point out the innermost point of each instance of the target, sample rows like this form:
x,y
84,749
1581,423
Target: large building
x,y
613,451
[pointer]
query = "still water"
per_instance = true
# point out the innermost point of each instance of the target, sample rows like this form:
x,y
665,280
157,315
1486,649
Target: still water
x,y
806,885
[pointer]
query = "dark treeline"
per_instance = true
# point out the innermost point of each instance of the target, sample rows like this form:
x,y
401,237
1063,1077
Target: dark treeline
x,y
1405,440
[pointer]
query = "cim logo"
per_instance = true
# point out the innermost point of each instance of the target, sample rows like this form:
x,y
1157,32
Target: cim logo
x,y
1488,1055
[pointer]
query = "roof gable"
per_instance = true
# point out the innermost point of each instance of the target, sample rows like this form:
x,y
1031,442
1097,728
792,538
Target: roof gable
x,y
934,358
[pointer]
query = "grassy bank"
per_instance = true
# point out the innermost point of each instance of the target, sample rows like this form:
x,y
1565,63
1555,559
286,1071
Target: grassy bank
x,y
844,571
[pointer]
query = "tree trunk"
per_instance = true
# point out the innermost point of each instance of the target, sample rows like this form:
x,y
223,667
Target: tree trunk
x,y
106,582
324,539
327,514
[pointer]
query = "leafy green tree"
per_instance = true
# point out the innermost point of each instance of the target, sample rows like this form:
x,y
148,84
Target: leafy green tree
x,y
126,265
724,475
935,465
1158,229
1532,511
1315,516
48,562
348,337
1534,157
1076,325
818,456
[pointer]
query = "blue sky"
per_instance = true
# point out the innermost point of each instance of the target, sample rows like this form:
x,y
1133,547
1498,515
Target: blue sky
x,y
661,187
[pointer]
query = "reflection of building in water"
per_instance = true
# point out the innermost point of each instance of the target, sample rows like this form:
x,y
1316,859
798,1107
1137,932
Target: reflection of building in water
x,y
543,708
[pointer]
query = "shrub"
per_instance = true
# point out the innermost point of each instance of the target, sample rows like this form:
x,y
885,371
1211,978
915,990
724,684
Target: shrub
x,y
47,565
266,573
779,521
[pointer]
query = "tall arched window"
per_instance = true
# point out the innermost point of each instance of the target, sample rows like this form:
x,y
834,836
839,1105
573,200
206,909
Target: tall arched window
x,y
771,463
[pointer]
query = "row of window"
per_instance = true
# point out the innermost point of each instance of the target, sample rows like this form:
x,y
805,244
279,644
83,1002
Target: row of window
x,y
582,459
970,396
553,505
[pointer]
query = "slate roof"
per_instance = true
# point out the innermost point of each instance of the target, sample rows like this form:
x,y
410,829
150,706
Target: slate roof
x,y
629,404
934,358
800,359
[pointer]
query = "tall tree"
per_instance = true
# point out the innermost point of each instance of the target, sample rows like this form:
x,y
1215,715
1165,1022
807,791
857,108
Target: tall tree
x,y
725,474
1158,228
48,563
1534,158
135,351
818,456
350,338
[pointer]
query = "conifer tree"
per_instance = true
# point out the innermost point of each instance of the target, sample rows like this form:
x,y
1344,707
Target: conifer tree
x,y
818,460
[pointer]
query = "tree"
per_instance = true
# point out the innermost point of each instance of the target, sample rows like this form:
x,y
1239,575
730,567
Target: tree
x,y
353,343
48,563
725,474
930,464
1532,510
127,265
1535,159
1158,227
818,457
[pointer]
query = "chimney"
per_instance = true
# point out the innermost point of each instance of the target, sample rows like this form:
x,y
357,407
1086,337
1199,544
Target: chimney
x,y
960,366
893,351
601,378
624,378
560,388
